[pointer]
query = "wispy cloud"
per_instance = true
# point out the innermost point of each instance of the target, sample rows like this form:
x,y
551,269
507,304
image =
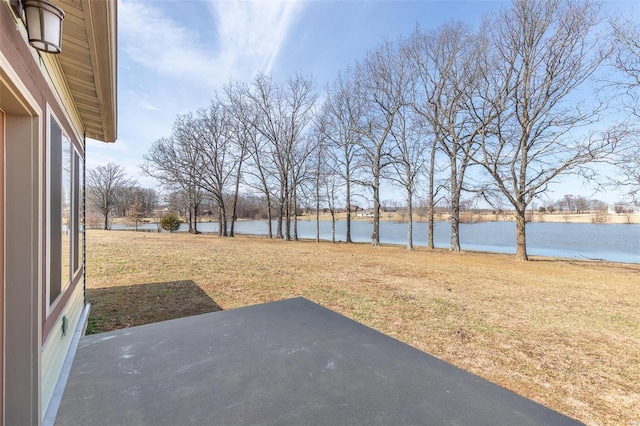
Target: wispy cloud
x,y
250,37
253,31
139,101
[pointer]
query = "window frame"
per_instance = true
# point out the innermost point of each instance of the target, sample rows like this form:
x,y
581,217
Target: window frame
x,y
55,246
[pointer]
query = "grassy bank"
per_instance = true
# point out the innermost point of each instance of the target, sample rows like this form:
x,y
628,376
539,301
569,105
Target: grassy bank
x,y
465,217
563,333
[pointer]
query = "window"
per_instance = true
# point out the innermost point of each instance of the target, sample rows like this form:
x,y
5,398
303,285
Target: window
x,y
64,206
77,217
65,224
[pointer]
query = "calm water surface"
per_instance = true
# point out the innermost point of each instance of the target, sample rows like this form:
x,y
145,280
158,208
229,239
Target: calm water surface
x,y
612,242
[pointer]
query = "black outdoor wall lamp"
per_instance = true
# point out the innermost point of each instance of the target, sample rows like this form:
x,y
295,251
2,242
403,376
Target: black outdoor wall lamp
x,y
44,23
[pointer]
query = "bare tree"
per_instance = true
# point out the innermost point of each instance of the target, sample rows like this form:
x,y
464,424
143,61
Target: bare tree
x,y
568,202
175,162
581,204
268,99
137,209
319,173
216,162
260,175
241,132
598,206
421,75
446,62
409,160
381,85
259,172
283,112
135,202
188,164
150,200
543,50
628,180
104,184
327,178
302,167
302,100
341,115
626,59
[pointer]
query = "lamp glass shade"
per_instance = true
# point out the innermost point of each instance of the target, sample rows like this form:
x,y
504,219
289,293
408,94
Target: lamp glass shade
x,y
44,25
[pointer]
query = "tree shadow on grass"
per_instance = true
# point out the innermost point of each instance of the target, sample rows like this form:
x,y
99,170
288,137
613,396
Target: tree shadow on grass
x,y
113,308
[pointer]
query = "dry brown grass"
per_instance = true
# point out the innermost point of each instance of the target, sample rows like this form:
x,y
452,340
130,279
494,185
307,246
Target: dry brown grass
x,y
563,333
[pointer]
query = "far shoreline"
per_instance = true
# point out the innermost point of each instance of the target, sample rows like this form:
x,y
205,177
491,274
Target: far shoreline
x,y
465,218
470,217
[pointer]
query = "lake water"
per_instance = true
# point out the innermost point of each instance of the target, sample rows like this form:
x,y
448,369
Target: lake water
x,y
612,242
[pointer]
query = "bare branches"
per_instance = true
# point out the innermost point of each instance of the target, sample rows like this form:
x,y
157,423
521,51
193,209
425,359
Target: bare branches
x,y
505,111
546,50
447,67
176,162
381,83
282,114
338,121
626,58
104,187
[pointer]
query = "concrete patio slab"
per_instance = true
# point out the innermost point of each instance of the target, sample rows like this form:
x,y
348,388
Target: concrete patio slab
x,y
288,362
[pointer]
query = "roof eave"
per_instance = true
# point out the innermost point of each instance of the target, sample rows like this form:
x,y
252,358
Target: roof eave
x,y
102,17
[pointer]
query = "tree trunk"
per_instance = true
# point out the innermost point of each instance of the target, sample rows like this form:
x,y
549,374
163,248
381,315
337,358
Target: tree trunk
x,y
233,223
234,207
106,221
455,207
223,223
287,213
195,219
333,226
225,231
294,201
455,224
279,231
317,212
375,236
269,218
410,224
521,236
348,182
432,168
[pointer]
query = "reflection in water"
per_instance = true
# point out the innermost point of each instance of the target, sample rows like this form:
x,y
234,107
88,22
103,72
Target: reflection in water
x,y
613,242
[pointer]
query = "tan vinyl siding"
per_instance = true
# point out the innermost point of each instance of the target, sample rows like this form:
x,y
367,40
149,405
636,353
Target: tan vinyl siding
x,y
57,345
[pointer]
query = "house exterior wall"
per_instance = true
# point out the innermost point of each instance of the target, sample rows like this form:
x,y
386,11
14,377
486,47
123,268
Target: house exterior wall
x,y
21,279
34,347
57,345
1,264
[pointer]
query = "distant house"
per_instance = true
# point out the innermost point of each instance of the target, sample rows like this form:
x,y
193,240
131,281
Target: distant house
x,y
49,104
366,213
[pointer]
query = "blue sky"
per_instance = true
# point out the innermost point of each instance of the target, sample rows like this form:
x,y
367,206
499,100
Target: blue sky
x,y
174,54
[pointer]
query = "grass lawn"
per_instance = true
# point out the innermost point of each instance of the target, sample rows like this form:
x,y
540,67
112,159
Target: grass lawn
x,y
564,333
